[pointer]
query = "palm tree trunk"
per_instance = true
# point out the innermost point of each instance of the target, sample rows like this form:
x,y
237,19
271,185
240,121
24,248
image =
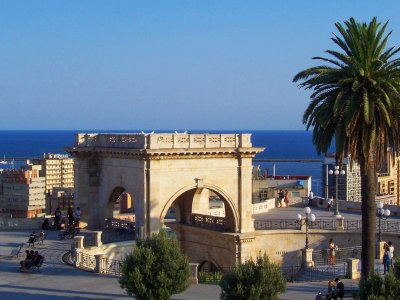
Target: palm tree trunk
x,y
368,211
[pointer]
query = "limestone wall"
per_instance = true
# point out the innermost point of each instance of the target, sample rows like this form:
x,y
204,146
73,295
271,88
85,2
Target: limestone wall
x,y
281,246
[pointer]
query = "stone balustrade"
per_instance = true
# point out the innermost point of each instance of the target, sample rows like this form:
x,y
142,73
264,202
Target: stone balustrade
x,y
162,140
99,263
20,223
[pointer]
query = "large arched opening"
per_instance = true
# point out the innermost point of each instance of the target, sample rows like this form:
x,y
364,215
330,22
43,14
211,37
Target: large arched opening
x,y
120,205
204,206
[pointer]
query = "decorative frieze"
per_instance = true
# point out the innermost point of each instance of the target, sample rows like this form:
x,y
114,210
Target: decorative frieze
x,y
162,140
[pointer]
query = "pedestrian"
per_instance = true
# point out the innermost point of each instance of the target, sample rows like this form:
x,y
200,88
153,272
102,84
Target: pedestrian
x,y
386,261
77,214
286,199
391,253
57,218
280,197
330,203
339,289
310,198
332,248
70,214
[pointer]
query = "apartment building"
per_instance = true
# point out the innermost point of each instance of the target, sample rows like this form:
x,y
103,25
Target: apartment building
x,y
58,169
349,184
22,191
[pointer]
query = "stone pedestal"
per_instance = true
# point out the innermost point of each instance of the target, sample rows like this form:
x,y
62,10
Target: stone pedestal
x,y
77,257
307,260
78,242
193,273
340,223
379,250
99,263
97,238
353,269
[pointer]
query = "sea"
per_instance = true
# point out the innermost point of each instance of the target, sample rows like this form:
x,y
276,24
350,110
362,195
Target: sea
x,y
278,144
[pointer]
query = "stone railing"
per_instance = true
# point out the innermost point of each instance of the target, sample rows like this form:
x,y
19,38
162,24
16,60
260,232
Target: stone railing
x,y
99,263
264,206
210,222
20,224
119,225
332,224
162,140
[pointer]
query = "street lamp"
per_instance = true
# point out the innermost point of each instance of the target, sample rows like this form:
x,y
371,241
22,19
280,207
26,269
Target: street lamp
x,y
307,221
336,172
382,214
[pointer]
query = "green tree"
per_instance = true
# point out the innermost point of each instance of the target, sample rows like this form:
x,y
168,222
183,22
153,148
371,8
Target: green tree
x,y
155,269
377,288
253,280
355,101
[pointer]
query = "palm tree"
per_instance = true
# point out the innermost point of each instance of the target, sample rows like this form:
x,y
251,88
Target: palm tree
x,y
355,102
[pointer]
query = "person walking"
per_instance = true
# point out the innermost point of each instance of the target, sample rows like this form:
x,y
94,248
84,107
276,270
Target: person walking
x,y
70,214
280,197
310,198
57,218
286,199
332,249
386,261
77,215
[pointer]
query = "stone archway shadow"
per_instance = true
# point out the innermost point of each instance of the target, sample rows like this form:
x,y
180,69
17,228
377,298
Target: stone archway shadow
x,y
229,203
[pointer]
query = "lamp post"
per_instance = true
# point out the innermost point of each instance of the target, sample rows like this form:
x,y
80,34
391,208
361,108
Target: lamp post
x,y
336,172
307,221
382,214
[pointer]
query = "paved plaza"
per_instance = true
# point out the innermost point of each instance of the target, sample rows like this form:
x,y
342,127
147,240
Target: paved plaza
x,y
60,281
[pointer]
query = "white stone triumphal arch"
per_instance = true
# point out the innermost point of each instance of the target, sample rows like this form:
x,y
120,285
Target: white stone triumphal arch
x,y
161,169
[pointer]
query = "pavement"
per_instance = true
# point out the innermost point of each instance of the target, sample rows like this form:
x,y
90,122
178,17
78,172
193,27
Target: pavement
x,y
58,281
291,212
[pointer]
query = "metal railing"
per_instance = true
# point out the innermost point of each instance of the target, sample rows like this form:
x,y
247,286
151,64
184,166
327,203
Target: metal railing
x,y
348,225
209,222
324,224
276,224
121,225
321,257
352,225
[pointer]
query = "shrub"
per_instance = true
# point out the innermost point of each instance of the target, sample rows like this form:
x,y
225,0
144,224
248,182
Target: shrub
x,y
253,280
378,288
155,269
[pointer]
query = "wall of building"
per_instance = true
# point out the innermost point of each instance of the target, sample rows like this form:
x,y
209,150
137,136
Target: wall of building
x,y
281,246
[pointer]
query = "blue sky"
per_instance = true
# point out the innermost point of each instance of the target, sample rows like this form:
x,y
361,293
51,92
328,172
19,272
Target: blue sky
x,y
165,64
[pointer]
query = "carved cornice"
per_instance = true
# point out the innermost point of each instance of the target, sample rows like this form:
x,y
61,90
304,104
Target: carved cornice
x,y
159,154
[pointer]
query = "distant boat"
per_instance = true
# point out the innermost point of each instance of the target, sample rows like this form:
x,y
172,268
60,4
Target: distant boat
x,y
4,162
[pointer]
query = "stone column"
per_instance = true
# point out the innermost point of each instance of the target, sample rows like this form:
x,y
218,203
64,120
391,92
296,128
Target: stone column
x,y
352,268
99,263
193,273
245,194
78,242
97,238
307,261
